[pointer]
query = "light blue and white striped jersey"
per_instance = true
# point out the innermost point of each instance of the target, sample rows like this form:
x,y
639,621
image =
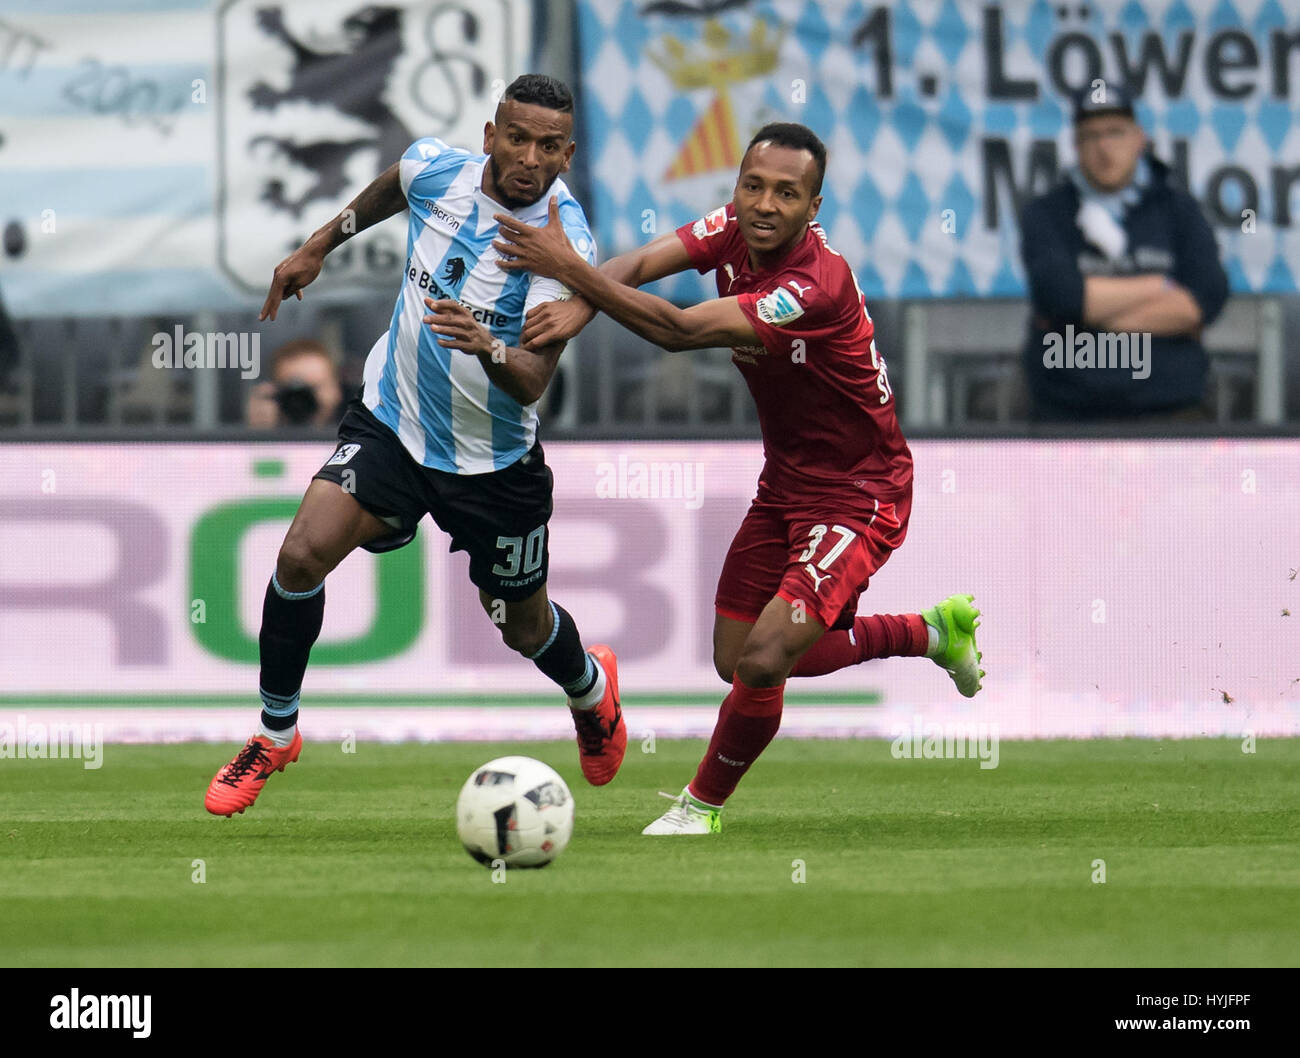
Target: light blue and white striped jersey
x,y
440,402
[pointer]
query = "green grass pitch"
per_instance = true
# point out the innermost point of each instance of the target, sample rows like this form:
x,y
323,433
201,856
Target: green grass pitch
x,y
352,859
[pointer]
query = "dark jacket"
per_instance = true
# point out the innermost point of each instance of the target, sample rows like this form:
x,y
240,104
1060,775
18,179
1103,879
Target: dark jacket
x,y
9,354
1167,233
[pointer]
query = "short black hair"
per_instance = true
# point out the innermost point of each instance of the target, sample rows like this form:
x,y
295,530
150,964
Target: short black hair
x,y
799,137
542,91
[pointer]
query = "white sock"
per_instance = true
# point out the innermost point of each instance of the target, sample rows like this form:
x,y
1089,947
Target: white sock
x,y
933,648
279,739
593,697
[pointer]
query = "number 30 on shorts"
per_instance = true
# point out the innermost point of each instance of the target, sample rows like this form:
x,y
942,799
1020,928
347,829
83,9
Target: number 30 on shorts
x,y
846,537
521,554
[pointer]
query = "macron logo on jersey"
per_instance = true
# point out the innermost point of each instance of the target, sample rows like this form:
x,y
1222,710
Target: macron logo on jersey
x,y
779,308
436,212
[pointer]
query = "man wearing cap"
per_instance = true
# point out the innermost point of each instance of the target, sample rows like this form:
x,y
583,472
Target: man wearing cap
x,y
1123,274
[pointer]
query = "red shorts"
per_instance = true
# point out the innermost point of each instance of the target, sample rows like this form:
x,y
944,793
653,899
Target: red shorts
x,y
822,564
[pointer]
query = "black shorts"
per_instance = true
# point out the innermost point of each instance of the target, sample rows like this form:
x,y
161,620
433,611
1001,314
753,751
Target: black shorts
x,y
499,518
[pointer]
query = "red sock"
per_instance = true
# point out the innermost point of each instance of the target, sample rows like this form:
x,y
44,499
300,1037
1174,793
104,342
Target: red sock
x,y
748,721
874,636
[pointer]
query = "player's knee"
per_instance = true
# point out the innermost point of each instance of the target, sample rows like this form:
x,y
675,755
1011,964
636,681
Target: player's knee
x,y
526,639
299,566
762,666
724,665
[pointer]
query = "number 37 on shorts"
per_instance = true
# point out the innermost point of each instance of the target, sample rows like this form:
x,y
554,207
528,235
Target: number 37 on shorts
x,y
846,554
818,568
829,565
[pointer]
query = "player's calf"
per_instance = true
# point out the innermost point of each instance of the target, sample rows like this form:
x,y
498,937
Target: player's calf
x,y
523,631
589,678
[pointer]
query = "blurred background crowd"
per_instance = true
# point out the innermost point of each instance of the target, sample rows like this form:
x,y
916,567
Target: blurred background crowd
x,y
1001,176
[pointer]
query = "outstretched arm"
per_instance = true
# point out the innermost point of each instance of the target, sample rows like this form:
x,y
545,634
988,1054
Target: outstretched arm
x,y
546,251
380,200
561,320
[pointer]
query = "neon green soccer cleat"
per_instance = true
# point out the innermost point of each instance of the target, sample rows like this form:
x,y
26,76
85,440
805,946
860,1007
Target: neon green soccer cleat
x,y
687,816
955,619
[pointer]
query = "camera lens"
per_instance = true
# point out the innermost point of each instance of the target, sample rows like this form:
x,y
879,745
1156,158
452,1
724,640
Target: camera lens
x,y
297,402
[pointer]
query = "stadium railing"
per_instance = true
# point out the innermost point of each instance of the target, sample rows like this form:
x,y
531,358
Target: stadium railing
x,y
953,346
955,367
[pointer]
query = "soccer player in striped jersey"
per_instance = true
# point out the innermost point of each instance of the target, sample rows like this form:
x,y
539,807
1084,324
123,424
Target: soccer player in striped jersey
x,y
836,488
447,426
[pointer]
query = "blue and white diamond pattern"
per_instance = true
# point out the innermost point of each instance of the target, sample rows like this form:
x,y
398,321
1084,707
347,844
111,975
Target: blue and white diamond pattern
x,y
897,163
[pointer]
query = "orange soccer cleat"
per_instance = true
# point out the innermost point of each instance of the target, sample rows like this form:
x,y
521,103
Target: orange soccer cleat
x,y
602,735
237,785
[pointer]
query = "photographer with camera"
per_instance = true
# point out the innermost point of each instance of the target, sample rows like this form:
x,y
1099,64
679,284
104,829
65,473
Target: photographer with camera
x,y
303,390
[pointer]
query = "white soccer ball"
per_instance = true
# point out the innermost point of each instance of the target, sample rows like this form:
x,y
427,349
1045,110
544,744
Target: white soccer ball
x,y
514,810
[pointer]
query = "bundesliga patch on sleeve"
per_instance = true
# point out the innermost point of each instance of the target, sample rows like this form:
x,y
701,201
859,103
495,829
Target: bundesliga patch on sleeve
x,y
581,244
343,455
710,223
779,307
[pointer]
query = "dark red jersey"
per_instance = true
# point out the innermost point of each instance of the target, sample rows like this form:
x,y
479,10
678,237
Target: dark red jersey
x,y
830,433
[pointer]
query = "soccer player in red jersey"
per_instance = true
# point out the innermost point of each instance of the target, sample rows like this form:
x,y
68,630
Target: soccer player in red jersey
x,y
836,488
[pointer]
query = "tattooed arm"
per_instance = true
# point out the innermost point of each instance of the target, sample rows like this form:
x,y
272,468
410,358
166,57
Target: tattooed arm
x,y
382,199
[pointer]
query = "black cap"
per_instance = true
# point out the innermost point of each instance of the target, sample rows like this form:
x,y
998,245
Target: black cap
x,y
1105,98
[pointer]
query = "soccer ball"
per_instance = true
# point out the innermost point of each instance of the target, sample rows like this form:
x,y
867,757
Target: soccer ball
x,y
516,810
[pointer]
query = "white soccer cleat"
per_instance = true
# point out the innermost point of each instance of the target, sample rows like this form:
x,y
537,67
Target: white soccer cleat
x,y
687,816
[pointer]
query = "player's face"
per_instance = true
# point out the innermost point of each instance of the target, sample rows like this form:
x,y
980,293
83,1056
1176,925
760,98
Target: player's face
x,y
774,197
1109,146
527,148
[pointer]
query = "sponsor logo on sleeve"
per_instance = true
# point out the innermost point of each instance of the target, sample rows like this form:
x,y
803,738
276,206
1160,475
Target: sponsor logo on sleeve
x,y
343,455
710,223
582,244
779,308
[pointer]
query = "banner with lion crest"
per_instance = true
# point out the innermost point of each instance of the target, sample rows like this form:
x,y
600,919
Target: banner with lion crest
x,y
164,155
